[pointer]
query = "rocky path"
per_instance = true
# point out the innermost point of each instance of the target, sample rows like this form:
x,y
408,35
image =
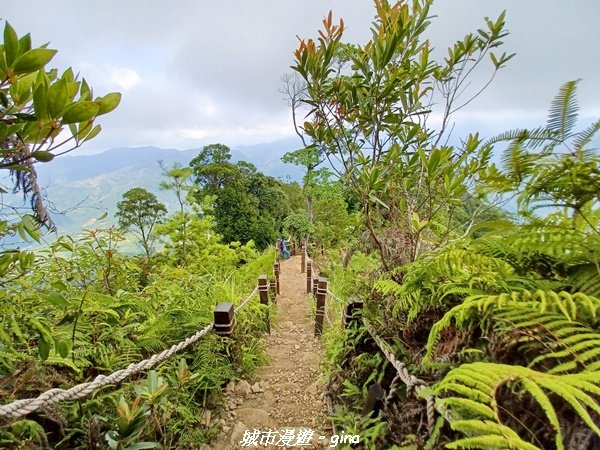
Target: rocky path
x,y
285,406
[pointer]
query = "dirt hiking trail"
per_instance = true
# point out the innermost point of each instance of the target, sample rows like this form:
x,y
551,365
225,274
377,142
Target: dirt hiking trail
x,y
287,393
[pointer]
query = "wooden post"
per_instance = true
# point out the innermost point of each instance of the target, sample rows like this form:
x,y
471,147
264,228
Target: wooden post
x,y
320,312
303,262
224,316
352,313
263,289
276,270
374,401
263,292
315,282
308,276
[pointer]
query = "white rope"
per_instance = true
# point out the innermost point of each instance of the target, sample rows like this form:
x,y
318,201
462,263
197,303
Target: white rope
x,y
407,378
329,322
22,407
333,296
241,305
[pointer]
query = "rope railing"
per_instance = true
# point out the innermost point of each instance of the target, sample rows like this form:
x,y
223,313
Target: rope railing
x,y
333,296
22,407
241,305
411,382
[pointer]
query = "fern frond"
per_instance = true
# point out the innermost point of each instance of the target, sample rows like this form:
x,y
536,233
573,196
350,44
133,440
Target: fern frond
x,y
586,279
530,138
564,110
502,438
568,307
468,412
584,137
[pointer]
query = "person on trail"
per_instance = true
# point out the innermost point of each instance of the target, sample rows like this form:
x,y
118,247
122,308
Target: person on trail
x,y
285,254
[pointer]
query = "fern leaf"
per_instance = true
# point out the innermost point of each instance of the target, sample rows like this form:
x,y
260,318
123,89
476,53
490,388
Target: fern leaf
x,y
503,437
577,390
585,137
563,110
547,407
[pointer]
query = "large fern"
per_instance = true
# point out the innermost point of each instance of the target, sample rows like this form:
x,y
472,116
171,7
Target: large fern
x,y
561,344
482,309
469,401
563,111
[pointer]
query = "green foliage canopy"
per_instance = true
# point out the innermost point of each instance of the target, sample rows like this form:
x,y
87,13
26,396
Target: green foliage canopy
x,y
140,212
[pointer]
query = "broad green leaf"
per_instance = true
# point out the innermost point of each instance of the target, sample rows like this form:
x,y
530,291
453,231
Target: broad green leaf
x,y
43,348
62,347
57,300
108,102
95,132
34,60
59,285
11,44
42,156
57,98
40,102
85,91
25,43
79,112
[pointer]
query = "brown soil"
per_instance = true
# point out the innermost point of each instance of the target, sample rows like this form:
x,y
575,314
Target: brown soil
x,y
287,393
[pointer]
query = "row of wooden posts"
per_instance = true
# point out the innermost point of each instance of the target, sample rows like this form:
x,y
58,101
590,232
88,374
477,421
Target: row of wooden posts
x,y
319,288
224,314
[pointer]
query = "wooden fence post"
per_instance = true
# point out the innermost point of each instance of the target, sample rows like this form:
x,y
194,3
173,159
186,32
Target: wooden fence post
x,y
352,313
315,282
263,292
320,312
308,276
224,318
276,270
374,401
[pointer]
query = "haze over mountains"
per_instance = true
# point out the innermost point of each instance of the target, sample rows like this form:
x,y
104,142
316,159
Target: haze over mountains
x,y
86,186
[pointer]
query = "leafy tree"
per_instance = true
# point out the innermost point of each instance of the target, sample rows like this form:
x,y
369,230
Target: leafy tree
x,y
212,168
298,226
310,156
178,181
331,218
246,204
139,212
43,114
368,109
492,291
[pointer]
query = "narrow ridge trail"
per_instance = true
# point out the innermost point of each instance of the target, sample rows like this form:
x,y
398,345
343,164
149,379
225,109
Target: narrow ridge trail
x,y
285,405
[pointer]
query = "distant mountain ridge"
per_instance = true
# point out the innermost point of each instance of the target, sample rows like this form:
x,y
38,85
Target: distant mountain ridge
x,y
85,186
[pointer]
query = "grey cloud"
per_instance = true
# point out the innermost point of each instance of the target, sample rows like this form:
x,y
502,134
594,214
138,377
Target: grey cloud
x,y
231,54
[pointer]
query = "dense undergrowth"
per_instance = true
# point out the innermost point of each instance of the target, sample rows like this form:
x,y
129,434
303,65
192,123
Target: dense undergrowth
x,y
69,322
503,322
497,313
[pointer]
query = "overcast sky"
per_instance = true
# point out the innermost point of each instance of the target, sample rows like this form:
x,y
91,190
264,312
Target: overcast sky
x,y
197,71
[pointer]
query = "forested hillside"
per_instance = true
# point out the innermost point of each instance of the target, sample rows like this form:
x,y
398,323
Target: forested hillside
x,y
465,326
